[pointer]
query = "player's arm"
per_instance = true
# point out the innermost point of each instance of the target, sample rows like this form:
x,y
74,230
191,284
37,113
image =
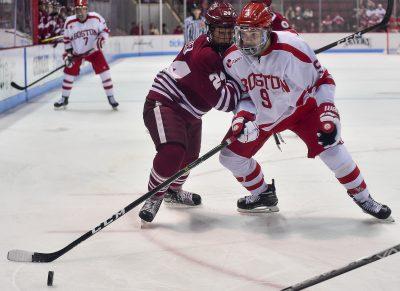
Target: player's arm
x,y
68,55
104,33
222,92
316,80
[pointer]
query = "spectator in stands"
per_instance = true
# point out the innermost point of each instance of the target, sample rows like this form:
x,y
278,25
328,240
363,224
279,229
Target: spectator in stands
x,y
327,24
153,30
298,21
178,30
290,14
204,7
135,29
380,12
165,29
338,23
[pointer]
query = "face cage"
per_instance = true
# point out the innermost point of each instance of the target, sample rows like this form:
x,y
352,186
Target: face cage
x,y
220,46
79,12
251,50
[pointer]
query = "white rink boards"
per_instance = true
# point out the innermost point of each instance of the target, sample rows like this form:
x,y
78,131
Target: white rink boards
x,y
64,172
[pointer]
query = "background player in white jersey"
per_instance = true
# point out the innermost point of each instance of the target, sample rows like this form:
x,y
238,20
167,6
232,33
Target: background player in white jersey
x,y
195,25
84,36
287,89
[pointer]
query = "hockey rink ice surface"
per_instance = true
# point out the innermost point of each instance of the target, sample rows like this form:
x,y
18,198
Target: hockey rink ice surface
x,y
64,172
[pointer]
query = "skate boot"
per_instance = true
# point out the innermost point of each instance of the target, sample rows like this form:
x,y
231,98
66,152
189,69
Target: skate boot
x,y
264,202
376,209
63,102
114,104
181,197
150,209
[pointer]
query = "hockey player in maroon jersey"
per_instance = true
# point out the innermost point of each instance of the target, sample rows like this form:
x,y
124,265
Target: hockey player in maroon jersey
x,y
181,94
288,89
84,36
279,22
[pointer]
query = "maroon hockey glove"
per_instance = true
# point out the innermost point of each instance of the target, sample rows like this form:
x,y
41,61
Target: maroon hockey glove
x,y
330,129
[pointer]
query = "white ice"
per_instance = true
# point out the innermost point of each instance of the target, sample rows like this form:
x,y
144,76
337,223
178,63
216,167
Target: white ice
x,y
64,172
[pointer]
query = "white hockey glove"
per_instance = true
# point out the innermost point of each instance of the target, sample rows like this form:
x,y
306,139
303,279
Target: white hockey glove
x,y
68,59
239,121
250,132
330,129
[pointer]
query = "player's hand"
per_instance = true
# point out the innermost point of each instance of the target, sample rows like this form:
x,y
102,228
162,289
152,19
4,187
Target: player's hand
x,y
250,132
239,121
100,43
68,59
330,129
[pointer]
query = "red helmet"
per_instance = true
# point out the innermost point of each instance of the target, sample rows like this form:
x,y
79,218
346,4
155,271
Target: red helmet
x,y
221,14
255,14
253,27
81,3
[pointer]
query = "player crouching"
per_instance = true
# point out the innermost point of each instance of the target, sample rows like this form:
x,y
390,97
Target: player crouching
x,y
84,37
293,91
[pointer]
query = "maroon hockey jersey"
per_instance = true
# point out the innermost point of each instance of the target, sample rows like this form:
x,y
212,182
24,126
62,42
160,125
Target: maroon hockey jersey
x,y
279,22
195,82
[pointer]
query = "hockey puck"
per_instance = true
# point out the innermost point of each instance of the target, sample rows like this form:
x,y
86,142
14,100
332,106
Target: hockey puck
x,y
50,277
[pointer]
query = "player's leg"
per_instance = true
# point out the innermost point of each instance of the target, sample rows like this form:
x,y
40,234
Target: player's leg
x,y
175,194
168,132
340,162
238,159
68,82
101,68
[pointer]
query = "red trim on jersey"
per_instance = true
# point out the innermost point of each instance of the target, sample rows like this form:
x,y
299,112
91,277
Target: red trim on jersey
x,y
256,186
274,39
350,177
358,189
77,20
294,51
230,50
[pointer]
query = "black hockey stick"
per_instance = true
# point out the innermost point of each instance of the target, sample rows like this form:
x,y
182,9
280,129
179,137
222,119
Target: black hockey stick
x,y
26,256
358,34
18,87
353,265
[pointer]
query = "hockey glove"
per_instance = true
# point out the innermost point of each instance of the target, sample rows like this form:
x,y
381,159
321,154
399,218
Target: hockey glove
x,y
68,59
100,43
329,133
239,121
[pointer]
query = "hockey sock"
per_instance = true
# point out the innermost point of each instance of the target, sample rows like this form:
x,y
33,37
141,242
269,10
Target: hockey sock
x,y
107,83
166,163
246,171
67,85
346,171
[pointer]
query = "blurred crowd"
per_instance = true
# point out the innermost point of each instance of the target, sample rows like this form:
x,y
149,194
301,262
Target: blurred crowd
x,y
52,15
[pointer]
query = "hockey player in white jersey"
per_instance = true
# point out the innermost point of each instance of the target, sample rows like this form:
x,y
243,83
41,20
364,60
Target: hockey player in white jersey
x,y
84,36
287,89
195,25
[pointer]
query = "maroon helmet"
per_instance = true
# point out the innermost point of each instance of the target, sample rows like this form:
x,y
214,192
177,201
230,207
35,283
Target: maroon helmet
x,y
221,14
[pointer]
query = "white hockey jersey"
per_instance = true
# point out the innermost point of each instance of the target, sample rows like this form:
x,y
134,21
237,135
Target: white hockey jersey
x,y
283,78
82,36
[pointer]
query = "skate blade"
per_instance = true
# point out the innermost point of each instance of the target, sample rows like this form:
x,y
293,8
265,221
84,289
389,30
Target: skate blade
x,y
179,205
115,108
61,108
390,219
263,209
145,224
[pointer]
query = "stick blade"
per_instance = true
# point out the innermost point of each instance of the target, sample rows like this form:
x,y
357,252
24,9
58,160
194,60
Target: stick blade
x,y
20,256
16,86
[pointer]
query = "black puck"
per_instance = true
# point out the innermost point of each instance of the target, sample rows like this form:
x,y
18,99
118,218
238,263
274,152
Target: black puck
x,y
50,277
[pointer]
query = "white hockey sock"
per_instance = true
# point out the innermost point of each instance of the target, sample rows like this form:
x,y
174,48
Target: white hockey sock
x,y
154,181
67,85
107,83
346,171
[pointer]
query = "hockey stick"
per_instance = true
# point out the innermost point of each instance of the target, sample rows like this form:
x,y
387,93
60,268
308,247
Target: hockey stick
x,y
50,39
357,34
353,265
26,256
18,87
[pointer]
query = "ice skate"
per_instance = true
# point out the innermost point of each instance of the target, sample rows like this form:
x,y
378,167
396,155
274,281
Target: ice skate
x,y
63,102
114,104
150,209
264,202
182,198
376,209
